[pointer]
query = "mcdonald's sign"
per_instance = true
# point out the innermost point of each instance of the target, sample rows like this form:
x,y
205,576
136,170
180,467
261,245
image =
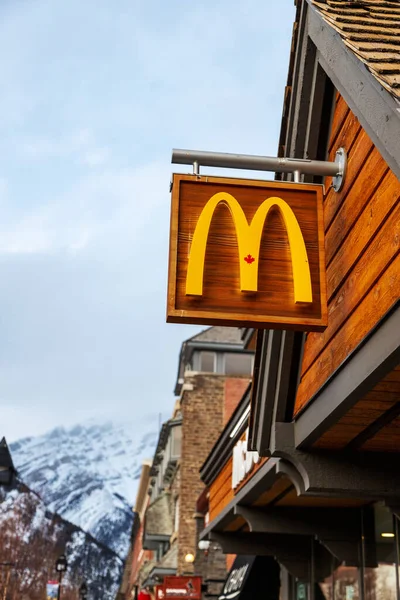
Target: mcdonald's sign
x,y
246,252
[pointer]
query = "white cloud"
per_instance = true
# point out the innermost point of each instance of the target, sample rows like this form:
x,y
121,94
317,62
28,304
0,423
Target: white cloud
x,y
95,157
103,209
94,96
80,146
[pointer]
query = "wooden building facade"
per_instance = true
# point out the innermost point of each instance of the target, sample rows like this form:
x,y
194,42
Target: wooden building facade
x,y
311,479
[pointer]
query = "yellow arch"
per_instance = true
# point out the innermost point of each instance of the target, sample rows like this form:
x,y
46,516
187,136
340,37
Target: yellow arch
x,y
249,241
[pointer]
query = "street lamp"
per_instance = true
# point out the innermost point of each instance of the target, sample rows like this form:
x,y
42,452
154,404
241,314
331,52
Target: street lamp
x,y
83,591
7,469
61,567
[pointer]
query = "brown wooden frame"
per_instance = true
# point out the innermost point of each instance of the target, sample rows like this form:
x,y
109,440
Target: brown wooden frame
x,y
305,319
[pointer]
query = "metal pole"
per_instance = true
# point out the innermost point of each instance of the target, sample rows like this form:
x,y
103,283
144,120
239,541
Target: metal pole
x,y
7,582
296,176
59,585
199,158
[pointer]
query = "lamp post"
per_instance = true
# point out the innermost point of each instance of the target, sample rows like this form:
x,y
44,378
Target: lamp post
x,y
7,469
83,591
61,567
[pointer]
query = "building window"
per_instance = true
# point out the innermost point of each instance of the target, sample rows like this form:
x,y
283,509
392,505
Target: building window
x,y
238,364
176,514
207,362
370,571
176,441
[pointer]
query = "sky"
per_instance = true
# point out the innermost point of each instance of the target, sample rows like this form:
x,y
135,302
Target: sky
x,y
94,95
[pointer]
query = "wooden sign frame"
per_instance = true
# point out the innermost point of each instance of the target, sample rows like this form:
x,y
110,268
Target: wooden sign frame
x,y
246,253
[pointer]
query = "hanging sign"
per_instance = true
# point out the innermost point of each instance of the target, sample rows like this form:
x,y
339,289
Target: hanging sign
x,y
181,588
246,252
52,590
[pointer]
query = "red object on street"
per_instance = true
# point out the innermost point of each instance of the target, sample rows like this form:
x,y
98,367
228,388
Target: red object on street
x,y
182,588
143,595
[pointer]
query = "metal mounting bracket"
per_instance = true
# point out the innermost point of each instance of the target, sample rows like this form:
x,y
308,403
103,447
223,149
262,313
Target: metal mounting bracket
x,y
341,161
296,166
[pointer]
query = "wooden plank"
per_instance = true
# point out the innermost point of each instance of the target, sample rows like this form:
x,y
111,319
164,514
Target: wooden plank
x,y
361,228
386,440
223,492
236,524
339,117
372,263
387,387
345,139
357,156
393,376
280,487
346,220
223,476
363,414
371,46
217,507
373,307
378,57
361,19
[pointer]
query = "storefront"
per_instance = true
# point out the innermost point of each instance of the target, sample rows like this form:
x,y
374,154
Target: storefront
x,y
252,578
306,472
324,546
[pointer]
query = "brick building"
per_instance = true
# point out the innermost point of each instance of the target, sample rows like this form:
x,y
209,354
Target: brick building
x,y
137,558
213,372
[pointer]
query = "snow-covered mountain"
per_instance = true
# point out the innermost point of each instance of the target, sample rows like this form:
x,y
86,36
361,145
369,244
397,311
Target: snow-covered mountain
x,y
32,538
89,474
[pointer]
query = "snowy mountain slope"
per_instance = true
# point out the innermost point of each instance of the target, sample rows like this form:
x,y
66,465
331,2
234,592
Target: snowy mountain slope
x,y
89,474
32,538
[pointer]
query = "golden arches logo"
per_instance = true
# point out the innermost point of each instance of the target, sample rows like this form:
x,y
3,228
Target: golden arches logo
x,y
249,242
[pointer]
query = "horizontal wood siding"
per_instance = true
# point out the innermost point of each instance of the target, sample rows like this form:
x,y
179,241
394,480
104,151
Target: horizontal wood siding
x,y
362,229
221,492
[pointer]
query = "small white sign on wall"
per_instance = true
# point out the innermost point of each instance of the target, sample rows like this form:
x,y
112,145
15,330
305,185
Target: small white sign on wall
x,y
243,461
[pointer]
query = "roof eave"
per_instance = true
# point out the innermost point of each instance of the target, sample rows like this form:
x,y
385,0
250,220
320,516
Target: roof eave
x,y
377,110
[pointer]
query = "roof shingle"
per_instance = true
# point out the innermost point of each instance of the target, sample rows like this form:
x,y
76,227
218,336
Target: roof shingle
x,y
371,29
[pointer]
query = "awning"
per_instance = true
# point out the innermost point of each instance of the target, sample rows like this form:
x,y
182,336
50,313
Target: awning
x,y
252,578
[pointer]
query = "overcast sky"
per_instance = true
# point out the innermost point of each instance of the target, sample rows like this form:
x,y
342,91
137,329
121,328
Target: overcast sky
x,y
94,95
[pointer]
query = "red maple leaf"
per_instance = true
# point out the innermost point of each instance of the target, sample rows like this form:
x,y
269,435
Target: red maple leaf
x,y
249,259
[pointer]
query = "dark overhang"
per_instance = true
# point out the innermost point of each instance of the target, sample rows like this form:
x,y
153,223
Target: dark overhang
x,y
152,541
157,575
276,374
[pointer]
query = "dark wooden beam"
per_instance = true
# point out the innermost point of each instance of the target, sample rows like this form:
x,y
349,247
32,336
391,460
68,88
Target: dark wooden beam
x,y
324,523
288,547
370,431
370,475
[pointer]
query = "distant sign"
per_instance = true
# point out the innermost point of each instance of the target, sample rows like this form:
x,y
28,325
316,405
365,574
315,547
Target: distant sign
x,y
52,590
246,252
244,461
160,592
182,588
